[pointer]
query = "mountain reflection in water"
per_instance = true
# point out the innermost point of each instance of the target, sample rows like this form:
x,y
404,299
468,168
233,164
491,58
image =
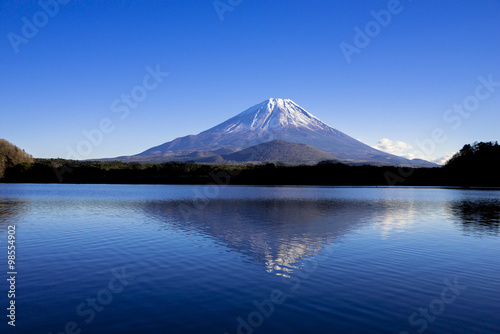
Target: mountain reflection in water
x,y
280,234
351,260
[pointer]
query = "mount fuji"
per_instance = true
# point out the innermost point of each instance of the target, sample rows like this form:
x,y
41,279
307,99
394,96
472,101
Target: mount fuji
x,y
270,120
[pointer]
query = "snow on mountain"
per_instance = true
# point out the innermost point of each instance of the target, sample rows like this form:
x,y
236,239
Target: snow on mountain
x,y
270,115
275,119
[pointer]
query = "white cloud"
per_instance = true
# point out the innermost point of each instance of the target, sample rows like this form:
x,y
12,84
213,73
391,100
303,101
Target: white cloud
x,y
443,159
407,151
393,147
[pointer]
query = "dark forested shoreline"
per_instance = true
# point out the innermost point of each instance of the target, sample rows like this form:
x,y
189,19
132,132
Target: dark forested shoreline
x,y
47,171
475,165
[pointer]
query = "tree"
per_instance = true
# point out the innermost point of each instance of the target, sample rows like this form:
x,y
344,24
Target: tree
x,y
11,155
476,164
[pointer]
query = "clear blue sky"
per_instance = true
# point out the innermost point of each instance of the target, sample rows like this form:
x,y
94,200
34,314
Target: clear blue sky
x,y
64,78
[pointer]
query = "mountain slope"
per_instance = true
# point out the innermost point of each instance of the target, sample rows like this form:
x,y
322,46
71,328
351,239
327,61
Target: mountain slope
x,y
270,120
275,119
275,151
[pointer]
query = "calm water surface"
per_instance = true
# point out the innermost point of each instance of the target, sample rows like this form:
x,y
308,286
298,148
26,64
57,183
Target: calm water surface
x,y
235,259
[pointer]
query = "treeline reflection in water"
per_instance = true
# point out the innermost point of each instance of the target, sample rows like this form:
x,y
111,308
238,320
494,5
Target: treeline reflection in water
x,y
478,217
355,260
10,211
283,234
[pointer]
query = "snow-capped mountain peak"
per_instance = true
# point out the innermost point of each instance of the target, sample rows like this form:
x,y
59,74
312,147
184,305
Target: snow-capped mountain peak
x,y
272,114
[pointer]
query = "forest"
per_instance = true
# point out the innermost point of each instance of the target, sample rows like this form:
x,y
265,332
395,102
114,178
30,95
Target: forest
x,y
475,165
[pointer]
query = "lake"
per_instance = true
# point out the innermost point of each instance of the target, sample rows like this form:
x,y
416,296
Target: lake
x,y
239,259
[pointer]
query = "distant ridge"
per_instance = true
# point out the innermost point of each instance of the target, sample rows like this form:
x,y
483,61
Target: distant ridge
x,y
274,151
